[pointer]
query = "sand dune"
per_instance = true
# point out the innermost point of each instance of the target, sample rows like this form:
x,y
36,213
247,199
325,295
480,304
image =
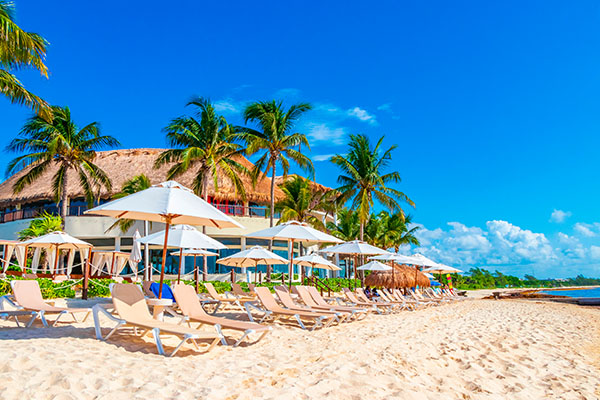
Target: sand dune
x,y
479,349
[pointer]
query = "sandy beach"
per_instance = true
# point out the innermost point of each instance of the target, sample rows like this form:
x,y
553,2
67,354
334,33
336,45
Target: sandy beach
x,y
481,349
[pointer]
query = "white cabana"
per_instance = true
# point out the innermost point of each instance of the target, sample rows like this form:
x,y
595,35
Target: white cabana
x,y
294,231
110,262
168,202
374,266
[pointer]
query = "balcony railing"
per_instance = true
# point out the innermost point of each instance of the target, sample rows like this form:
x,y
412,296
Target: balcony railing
x,y
74,211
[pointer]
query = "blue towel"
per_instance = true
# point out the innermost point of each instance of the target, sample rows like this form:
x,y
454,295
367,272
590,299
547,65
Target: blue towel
x,y
167,293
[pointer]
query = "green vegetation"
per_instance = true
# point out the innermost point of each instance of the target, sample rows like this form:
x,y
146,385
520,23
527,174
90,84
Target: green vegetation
x,y
206,142
20,50
60,143
478,278
45,223
130,186
363,180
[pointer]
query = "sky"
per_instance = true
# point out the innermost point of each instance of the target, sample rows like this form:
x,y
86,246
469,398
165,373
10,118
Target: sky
x,y
493,106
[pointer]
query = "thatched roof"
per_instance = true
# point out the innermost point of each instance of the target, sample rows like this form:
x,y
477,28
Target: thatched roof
x,y
121,165
402,277
314,185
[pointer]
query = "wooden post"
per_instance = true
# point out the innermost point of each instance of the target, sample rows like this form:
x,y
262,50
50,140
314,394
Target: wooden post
x,y
196,275
180,260
205,270
291,265
164,257
232,275
113,270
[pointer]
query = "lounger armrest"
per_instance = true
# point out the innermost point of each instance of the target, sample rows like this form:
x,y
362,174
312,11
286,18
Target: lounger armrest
x,y
96,311
7,300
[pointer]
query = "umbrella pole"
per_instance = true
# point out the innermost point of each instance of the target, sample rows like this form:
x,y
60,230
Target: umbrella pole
x,y
291,265
86,270
164,258
113,270
196,274
180,259
55,260
205,269
416,271
355,270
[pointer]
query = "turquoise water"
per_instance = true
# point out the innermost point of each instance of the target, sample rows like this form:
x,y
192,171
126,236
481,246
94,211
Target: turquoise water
x,y
575,293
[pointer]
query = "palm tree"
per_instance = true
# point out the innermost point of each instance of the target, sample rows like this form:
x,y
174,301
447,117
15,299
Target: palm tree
x,y
363,181
302,203
346,227
130,186
43,224
391,230
276,140
19,50
207,142
60,142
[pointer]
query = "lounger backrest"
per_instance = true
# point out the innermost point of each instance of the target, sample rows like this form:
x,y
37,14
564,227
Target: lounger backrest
x,y
251,287
266,298
129,302
146,289
284,297
361,295
305,296
314,293
212,291
187,300
351,296
237,289
27,293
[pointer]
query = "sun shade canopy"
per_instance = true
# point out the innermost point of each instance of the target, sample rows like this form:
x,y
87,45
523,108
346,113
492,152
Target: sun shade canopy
x,y
252,257
316,261
297,231
183,236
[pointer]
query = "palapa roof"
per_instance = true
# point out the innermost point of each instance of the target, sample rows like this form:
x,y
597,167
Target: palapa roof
x,y
402,277
121,165
279,180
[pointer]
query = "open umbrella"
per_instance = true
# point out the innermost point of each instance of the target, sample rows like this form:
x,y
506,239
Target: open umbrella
x,y
355,248
421,261
314,260
374,266
194,253
252,257
294,231
63,241
167,202
442,269
183,237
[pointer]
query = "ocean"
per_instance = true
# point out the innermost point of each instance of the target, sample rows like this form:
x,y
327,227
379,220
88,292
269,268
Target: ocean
x,y
589,293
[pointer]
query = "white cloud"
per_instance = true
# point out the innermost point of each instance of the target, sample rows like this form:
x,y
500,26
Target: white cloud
x,y
387,107
362,115
228,106
322,157
325,133
584,229
559,216
595,252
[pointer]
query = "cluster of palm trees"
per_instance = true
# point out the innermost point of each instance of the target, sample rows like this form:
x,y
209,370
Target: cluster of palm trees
x,y
207,144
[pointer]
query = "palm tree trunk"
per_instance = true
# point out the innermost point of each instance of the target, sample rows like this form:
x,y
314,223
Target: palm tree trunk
x,y
64,201
273,192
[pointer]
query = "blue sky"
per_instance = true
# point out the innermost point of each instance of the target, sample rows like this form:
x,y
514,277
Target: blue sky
x,y
493,105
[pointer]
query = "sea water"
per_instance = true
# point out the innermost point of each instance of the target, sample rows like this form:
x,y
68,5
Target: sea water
x,y
595,293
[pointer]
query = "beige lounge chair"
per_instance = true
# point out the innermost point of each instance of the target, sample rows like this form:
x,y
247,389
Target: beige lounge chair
x,y
132,310
417,302
272,309
389,299
29,296
7,314
356,302
237,301
360,293
190,306
286,299
308,299
237,290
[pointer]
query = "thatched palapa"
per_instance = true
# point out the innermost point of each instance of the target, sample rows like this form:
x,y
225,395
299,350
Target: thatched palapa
x,y
121,165
402,277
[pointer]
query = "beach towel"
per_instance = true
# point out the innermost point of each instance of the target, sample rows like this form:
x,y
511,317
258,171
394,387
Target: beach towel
x,y
167,293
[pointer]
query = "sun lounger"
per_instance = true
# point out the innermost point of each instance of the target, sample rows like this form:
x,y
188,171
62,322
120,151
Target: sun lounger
x,y
274,310
29,296
427,300
7,314
356,302
410,304
132,310
385,297
412,299
238,291
190,306
307,298
360,293
286,299
237,301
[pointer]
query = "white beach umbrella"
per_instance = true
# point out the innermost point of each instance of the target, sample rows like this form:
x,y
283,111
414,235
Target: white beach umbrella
x,y
423,261
294,231
442,269
314,260
252,257
182,237
428,275
355,248
194,253
167,202
374,266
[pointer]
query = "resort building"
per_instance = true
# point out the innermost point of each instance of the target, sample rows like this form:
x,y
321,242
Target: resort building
x,y
16,210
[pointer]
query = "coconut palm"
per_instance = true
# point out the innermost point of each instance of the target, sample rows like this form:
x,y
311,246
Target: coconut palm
x,y
61,143
363,179
391,230
275,140
130,186
346,226
19,50
43,224
205,142
303,203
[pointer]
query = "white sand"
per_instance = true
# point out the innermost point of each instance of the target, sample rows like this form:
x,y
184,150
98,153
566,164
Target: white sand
x,y
481,349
